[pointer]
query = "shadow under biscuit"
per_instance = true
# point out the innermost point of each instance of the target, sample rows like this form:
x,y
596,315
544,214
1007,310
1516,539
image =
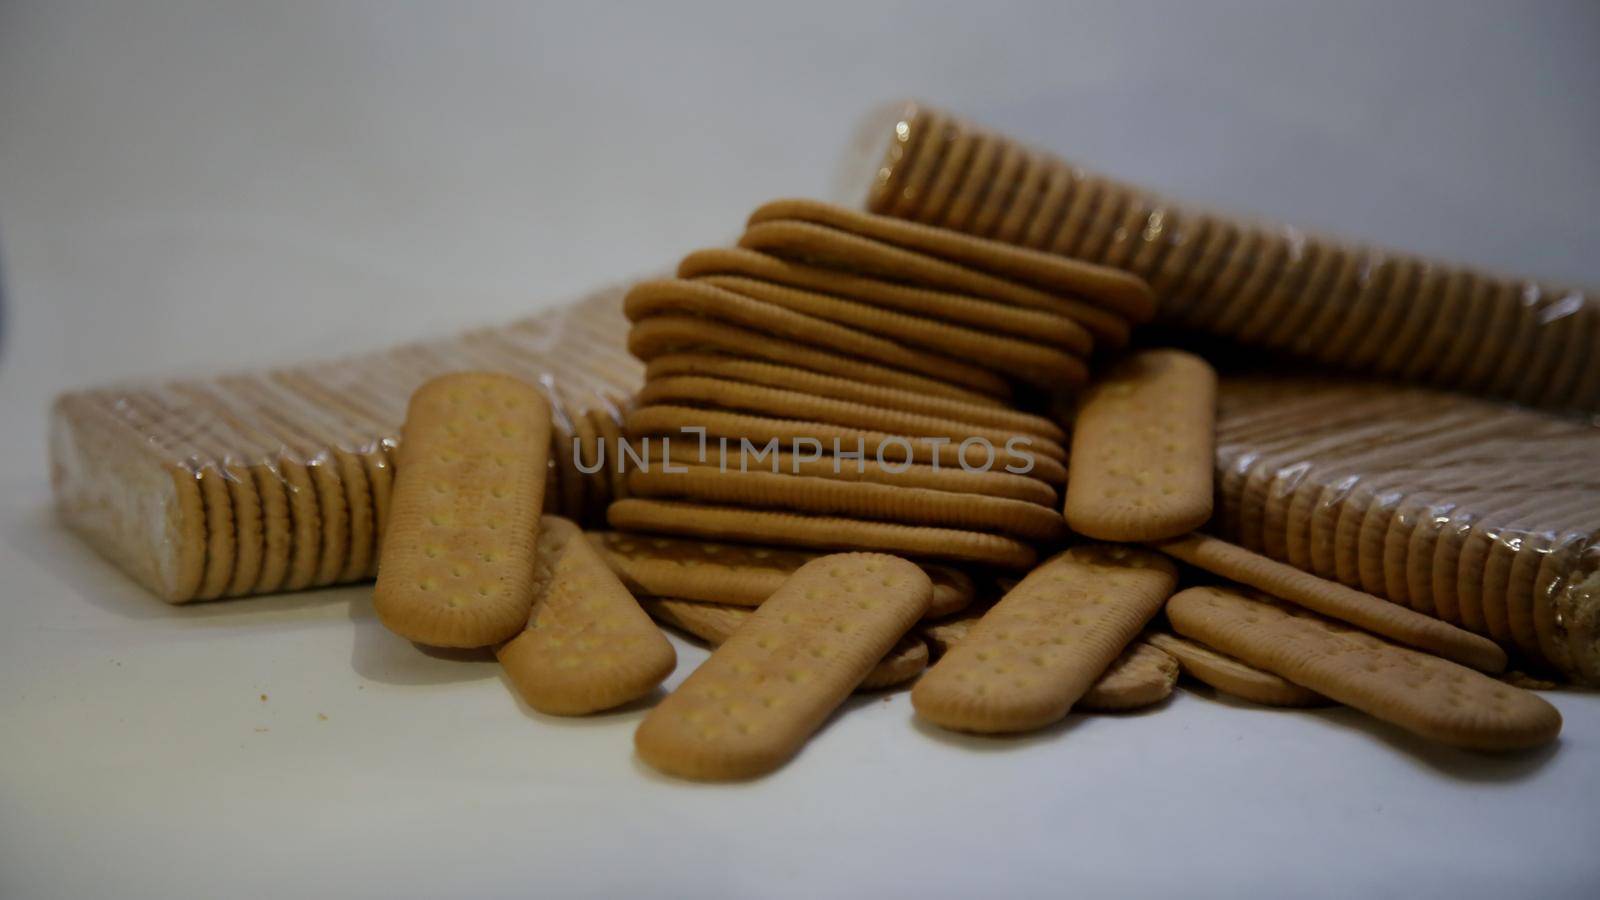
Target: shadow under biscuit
x,y
378,654
1450,762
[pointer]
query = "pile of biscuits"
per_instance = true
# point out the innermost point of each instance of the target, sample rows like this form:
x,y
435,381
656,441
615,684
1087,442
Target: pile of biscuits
x,y
469,562
844,379
279,480
1322,300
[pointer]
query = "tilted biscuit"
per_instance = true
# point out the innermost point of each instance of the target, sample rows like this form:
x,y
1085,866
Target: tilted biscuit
x,y
1142,449
1232,677
849,390
751,706
661,335
864,500
1424,694
991,483
1046,643
457,566
1025,360
725,523
737,574
687,423
753,399
1337,601
963,309
1142,676
587,645
817,244
668,297
714,623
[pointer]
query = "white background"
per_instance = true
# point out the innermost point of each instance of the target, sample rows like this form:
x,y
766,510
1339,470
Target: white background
x,y
190,186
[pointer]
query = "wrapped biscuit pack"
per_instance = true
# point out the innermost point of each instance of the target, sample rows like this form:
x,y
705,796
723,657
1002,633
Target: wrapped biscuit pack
x,y
1318,299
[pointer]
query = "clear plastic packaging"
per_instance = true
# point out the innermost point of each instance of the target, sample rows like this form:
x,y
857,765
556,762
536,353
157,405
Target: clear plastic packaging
x,y
279,480
1360,309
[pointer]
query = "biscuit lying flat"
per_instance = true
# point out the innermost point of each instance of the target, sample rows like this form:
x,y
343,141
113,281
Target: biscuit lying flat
x,y
1339,601
1047,642
714,623
1423,694
457,563
756,700
1142,676
587,646
1232,677
1142,449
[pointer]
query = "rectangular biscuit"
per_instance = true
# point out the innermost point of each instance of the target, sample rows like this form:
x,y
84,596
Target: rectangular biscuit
x,y
457,563
587,646
1424,694
749,707
1047,642
1142,448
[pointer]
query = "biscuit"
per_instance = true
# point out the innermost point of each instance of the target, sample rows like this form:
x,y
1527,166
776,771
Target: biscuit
x,y
661,335
1025,360
713,623
587,645
920,163
848,390
457,566
954,308
1037,651
751,706
683,422
1426,695
1059,184
723,523
737,574
821,245
974,188
1000,189
958,151
1117,292
888,183
1337,601
702,298
858,499
694,390
1232,677
1142,676
1021,202
1142,449
992,483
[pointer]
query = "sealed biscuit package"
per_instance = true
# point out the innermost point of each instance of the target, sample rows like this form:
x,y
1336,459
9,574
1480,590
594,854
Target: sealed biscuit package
x,y
1324,301
252,483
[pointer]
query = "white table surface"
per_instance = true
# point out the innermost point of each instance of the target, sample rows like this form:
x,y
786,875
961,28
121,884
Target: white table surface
x,y
189,187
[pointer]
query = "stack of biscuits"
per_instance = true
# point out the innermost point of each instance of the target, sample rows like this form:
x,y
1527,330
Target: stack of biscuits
x,y
279,480
844,380
1318,299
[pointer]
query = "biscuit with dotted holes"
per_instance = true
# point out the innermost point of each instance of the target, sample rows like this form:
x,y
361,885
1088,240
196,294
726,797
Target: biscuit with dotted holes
x,y
1141,463
457,562
1338,601
751,706
1424,694
1141,677
1048,640
1232,677
737,574
714,622
587,646
725,523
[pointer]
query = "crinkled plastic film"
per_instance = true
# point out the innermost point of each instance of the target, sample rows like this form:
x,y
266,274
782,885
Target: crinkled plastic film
x,y
1360,309
1479,513
279,480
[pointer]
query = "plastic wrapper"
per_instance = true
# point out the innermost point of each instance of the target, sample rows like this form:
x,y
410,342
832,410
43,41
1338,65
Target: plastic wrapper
x,y
1361,309
1479,513
279,480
